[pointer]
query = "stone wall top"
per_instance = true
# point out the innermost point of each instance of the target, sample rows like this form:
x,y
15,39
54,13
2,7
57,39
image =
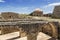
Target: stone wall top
x,y
22,22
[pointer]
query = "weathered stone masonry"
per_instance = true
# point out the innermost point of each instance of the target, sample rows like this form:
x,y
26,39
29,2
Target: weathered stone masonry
x,y
30,28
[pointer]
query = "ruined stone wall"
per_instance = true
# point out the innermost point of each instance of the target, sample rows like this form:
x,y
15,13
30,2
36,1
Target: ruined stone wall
x,y
56,12
9,29
37,13
9,15
50,29
32,29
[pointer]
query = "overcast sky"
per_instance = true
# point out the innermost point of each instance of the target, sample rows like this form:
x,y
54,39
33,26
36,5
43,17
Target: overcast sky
x,y
27,6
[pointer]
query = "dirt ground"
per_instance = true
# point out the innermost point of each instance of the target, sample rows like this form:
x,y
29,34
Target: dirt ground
x,y
14,35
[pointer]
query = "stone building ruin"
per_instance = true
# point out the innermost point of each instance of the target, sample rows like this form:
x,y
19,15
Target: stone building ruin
x,y
56,12
28,27
37,12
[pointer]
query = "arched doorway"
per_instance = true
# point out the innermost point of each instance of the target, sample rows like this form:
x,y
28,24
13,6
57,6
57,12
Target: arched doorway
x,y
50,29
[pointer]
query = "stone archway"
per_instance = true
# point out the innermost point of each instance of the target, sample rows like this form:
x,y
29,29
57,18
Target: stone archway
x,y
50,29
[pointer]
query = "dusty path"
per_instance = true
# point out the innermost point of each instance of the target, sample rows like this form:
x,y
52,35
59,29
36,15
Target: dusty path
x,y
15,36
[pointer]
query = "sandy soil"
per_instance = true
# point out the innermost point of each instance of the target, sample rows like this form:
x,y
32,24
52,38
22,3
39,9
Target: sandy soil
x,y
41,36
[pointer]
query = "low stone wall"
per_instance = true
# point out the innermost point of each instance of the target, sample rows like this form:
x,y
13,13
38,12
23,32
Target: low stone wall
x,y
32,29
29,30
9,29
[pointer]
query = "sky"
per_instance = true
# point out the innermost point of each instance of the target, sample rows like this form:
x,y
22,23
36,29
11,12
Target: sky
x,y
28,6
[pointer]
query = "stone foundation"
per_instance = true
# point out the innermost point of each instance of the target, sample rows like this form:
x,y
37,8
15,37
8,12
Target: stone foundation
x,y
8,29
31,30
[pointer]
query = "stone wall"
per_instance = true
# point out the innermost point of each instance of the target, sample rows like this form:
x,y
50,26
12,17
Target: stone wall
x,y
56,12
37,13
9,15
32,29
9,29
50,29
